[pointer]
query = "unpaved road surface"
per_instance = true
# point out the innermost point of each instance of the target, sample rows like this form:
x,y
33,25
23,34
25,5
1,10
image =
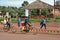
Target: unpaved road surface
x,y
28,36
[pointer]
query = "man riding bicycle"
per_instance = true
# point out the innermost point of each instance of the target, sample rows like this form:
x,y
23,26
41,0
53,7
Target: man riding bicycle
x,y
27,24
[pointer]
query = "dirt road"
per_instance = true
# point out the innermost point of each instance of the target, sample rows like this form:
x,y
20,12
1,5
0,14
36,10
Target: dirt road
x,y
31,36
8,36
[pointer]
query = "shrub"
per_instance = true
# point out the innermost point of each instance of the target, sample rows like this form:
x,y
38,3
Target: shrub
x,y
34,12
45,12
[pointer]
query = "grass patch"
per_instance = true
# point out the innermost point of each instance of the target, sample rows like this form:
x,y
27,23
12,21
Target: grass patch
x,y
57,20
14,19
1,19
31,20
35,20
39,20
49,20
57,17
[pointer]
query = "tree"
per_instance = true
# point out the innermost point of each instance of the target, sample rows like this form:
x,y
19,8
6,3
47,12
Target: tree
x,y
21,12
45,12
24,3
11,12
34,12
4,10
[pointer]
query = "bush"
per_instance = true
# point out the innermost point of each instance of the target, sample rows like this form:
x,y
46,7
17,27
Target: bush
x,y
45,12
34,12
21,12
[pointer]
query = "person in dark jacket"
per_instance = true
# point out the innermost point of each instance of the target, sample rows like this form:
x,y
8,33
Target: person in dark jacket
x,y
43,23
27,22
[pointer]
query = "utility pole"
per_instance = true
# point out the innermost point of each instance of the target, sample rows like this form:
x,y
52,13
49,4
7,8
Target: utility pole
x,y
54,12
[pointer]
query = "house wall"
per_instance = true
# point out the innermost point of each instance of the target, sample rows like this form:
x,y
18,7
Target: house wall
x,y
56,12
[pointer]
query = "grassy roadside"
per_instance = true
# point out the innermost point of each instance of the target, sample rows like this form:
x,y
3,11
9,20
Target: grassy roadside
x,y
32,20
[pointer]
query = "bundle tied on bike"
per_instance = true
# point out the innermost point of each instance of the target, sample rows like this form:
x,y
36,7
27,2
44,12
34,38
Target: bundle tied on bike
x,y
27,27
26,24
22,24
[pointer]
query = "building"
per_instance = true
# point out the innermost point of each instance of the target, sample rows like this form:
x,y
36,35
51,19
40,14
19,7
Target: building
x,y
57,4
57,8
39,5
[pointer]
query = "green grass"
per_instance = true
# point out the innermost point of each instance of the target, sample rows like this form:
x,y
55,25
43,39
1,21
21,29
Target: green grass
x,y
49,20
39,20
31,20
57,20
14,19
1,19
57,17
35,20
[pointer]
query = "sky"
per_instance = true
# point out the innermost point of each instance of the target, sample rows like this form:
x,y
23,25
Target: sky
x,y
17,3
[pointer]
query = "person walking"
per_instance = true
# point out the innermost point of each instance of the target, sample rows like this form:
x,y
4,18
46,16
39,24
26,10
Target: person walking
x,y
43,23
19,21
8,23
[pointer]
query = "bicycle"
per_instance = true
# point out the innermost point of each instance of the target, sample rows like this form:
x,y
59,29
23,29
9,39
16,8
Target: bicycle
x,y
29,28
